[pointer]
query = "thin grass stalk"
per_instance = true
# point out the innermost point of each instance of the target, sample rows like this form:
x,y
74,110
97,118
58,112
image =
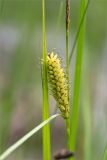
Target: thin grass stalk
x,y
67,35
77,78
68,132
67,61
2,132
78,31
46,129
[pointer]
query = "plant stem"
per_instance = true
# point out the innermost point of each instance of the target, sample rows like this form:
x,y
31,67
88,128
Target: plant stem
x,y
67,35
46,129
78,31
68,131
67,62
77,78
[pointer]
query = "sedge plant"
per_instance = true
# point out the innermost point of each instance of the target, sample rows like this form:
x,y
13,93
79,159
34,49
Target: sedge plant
x,y
59,86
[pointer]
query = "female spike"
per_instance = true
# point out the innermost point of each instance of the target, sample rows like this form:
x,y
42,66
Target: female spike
x,y
58,83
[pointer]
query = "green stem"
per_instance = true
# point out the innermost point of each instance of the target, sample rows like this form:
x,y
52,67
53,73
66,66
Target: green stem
x,y
78,32
67,34
67,61
77,78
67,57
68,130
46,129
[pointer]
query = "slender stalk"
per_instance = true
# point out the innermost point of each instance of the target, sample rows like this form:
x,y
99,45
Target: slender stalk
x,y
68,131
78,31
77,78
67,61
46,129
67,35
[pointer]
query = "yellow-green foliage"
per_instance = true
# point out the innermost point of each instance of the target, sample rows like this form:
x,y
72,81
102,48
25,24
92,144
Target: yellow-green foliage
x,y
58,83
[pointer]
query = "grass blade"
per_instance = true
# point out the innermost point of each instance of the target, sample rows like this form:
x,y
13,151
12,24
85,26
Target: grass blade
x,y
26,137
77,78
46,129
78,31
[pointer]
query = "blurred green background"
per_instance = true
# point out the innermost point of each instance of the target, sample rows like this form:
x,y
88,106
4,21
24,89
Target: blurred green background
x,y
20,75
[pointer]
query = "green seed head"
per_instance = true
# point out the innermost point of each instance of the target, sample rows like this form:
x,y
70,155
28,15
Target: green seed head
x,y
58,83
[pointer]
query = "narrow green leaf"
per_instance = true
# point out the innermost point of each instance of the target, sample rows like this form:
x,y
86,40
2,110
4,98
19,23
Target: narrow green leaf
x,y
26,137
78,32
46,129
77,78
